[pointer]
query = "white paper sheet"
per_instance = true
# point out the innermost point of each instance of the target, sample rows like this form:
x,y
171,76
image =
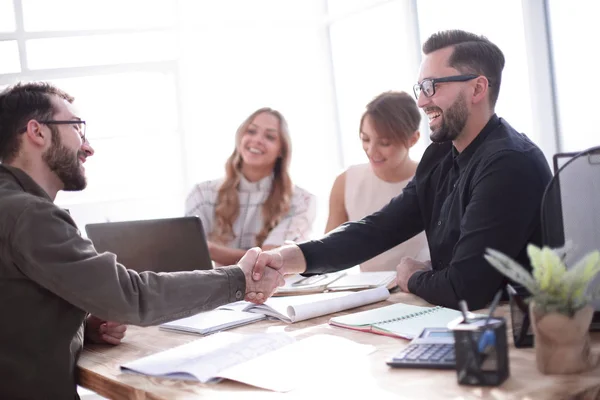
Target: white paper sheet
x,y
273,361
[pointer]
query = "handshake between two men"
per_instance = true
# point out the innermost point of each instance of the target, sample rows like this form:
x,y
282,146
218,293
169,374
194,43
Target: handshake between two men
x,y
264,270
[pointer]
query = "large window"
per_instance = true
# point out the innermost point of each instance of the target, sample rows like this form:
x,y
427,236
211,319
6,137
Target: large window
x,y
373,51
137,143
574,32
123,73
77,15
7,16
9,54
164,90
165,84
111,49
255,58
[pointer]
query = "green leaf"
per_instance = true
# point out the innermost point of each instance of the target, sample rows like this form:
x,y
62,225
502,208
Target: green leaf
x,y
586,268
553,288
554,269
578,278
539,271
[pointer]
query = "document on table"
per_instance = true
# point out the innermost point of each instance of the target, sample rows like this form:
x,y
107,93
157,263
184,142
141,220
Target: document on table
x,y
274,361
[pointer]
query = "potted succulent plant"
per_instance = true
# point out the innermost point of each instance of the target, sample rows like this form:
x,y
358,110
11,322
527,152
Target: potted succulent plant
x,y
559,308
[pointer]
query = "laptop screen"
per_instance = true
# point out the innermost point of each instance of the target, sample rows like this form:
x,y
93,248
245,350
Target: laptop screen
x,y
159,245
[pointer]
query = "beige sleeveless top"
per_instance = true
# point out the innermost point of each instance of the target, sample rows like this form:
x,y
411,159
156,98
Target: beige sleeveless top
x,y
364,194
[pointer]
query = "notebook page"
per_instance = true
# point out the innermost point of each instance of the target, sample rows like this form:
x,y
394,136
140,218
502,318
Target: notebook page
x,y
410,328
278,307
241,305
302,312
298,284
371,317
363,280
205,358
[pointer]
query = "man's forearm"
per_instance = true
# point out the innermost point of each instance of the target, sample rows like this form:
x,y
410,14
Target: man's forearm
x,y
356,242
447,287
294,261
345,247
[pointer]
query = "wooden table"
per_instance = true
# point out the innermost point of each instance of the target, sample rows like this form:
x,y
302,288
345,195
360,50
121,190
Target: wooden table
x,y
99,370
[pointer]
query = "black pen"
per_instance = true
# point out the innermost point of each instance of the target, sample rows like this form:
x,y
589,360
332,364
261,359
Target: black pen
x,y
465,310
473,361
488,337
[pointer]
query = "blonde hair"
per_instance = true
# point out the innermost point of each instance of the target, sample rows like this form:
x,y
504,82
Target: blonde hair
x,y
279,200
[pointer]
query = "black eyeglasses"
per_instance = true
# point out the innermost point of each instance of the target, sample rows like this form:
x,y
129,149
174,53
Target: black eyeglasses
x,y
80,126
427,86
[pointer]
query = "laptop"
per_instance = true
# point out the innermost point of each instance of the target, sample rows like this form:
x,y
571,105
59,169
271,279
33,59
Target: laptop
x,y
159,245
580,220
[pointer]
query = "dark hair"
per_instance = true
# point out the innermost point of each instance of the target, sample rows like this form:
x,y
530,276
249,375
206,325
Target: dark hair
x,y
394,116
19,104
472,54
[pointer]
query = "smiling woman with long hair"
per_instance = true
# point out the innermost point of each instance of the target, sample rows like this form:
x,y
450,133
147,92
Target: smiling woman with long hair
x,y
255,204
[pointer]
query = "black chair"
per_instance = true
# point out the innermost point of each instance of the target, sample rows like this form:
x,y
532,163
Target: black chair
x,y
570,210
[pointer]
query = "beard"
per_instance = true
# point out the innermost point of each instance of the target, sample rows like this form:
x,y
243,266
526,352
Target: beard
x,y
453,122
65,164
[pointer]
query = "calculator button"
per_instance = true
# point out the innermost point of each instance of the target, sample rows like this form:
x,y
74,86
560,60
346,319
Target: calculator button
x,y
415,355
401,356
426,356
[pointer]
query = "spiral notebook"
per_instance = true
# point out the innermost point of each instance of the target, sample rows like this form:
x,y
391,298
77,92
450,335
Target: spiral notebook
x,y
398,320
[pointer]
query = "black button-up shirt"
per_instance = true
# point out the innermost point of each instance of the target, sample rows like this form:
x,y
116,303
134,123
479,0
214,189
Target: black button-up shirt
x,y
488,196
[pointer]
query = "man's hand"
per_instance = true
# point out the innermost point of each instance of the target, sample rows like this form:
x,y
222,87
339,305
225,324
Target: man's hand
x,y
286,259
407,267
258,291
102,332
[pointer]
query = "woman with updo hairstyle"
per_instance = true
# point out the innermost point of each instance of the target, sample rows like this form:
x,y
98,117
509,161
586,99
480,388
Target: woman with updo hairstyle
x,y
389,127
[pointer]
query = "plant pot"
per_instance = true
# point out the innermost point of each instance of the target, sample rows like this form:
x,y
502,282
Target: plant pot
x,y
562,343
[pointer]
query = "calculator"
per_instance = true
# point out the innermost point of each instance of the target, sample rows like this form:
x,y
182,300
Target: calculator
x,y
433,348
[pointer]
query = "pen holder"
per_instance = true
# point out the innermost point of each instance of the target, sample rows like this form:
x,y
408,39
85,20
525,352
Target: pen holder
x,y
481,352
519,316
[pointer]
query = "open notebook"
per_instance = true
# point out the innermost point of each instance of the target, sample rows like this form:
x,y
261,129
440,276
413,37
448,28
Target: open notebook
x,y
292,309
273,361
364,280
287,309
397,320
298,284
213,321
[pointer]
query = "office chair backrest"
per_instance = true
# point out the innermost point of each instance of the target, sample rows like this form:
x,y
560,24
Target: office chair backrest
x,y
571,206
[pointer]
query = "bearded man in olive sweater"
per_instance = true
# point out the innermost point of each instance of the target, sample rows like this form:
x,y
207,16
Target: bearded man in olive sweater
x,y
52,280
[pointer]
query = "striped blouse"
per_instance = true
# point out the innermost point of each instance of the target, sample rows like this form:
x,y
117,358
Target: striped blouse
x,y
296,225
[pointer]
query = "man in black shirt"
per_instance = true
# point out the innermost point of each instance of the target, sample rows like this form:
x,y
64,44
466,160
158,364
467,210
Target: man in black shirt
x,y
479,185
